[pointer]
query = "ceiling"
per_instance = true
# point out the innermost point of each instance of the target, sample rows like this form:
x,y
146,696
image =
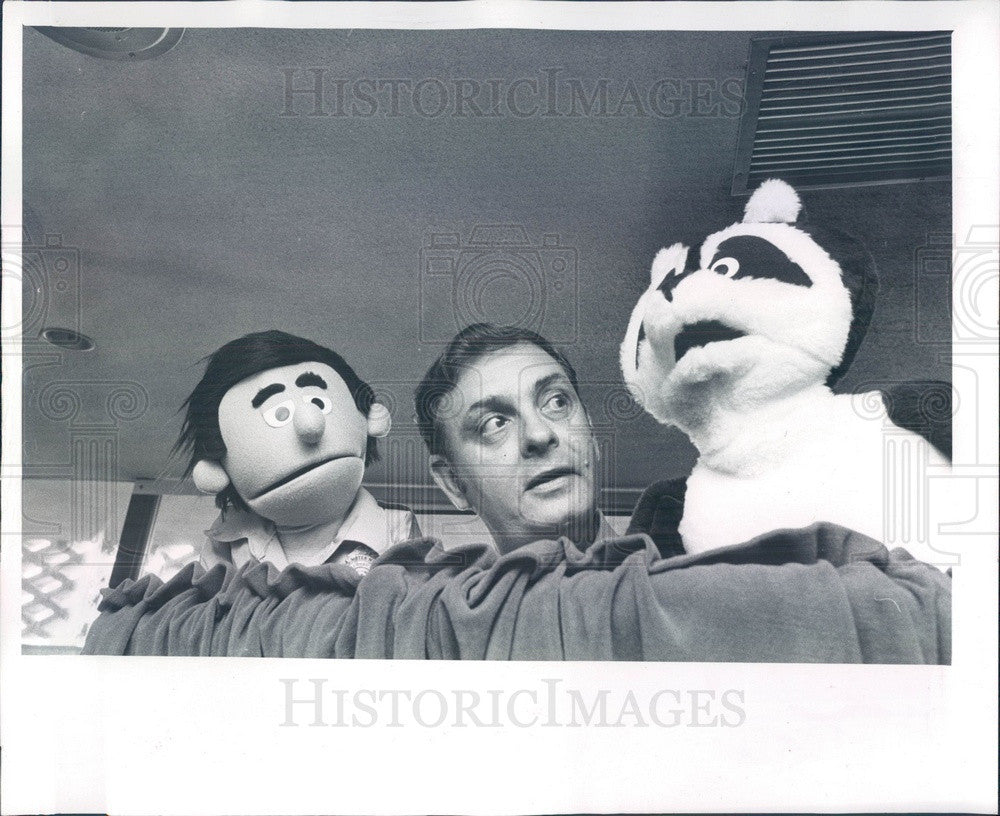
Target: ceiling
x,y
195,203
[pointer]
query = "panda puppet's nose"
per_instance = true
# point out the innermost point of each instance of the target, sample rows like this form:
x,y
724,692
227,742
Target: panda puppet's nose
x,y
670,283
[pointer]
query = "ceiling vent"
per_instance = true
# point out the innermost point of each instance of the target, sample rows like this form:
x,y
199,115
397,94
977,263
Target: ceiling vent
x,y
123,44
846,110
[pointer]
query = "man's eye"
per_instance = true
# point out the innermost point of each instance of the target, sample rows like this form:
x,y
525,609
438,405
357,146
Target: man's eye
x,y
557,406
280,414
325,404
493,425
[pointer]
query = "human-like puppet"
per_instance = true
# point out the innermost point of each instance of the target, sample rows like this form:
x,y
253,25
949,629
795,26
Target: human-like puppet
x,y
280,430
737,345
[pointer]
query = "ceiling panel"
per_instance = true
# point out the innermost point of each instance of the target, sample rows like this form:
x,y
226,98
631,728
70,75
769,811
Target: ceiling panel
x,y
193,207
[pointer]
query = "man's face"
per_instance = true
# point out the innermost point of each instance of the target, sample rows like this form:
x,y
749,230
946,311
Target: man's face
x,y
519,448
295,443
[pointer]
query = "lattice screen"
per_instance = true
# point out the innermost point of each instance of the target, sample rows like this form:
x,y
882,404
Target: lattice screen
x,y
60,584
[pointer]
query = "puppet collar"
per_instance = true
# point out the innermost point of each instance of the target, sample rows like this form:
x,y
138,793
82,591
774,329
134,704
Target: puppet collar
x,y
251,535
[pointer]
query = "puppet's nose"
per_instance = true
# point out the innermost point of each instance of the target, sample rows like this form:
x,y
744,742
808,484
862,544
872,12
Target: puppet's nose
x,y
670,283
309,423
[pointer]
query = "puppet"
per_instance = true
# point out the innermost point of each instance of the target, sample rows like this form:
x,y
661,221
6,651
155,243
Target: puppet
x,y
738,346
280,430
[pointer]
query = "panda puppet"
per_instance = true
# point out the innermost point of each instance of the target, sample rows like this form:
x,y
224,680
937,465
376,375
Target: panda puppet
x,y
738,346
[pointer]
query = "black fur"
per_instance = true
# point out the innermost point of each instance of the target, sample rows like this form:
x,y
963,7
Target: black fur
x,y
759,258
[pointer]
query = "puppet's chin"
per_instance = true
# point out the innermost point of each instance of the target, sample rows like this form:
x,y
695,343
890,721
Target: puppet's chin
x,y
320,495
734,375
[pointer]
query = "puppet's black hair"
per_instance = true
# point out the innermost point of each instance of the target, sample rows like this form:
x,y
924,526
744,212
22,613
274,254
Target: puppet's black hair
x,y
234,362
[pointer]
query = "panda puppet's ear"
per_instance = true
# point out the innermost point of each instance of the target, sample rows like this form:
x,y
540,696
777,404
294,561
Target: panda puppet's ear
x,y
774,202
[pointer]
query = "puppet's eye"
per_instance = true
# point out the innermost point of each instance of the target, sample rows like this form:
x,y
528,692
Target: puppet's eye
x,y
325,404
280,414
726,266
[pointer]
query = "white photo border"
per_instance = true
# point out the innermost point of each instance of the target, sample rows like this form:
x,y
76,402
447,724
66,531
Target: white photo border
x,y
179,736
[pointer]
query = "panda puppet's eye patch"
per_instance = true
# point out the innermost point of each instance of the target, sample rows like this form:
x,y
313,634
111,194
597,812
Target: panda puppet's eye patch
x,y
743,256
747,256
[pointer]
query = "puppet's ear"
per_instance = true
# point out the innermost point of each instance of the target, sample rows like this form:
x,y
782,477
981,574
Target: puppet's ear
x,y
774,202
671,259
210,477
379,420
445,478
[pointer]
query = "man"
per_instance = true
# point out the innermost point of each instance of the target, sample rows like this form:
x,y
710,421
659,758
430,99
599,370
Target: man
x,y
510,438
281,429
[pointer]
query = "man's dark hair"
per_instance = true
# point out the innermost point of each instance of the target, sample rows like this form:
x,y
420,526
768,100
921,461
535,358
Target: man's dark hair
x,y
233,363
465,348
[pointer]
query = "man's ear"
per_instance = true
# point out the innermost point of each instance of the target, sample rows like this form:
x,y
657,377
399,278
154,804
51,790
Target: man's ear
x,y
379,420
210,477
444,477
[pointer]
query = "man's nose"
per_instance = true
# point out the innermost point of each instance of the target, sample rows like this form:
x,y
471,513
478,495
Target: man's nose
x,y
537,436
309,423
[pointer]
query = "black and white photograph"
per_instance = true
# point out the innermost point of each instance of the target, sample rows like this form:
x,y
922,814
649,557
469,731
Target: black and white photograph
x,y
645,362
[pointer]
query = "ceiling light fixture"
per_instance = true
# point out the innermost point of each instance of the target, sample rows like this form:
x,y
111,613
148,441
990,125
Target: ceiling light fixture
x,y
67,339
124,44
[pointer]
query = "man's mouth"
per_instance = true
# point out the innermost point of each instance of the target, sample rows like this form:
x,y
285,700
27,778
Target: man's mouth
x,y
548,476
702,333
291,477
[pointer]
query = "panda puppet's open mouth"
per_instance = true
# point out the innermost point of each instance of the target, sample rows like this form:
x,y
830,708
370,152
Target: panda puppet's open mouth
x,y
695,335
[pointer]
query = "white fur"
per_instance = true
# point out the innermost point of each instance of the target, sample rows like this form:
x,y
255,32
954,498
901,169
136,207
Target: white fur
x,y
797,333
816,460
776,448
671,259
652,372
773,202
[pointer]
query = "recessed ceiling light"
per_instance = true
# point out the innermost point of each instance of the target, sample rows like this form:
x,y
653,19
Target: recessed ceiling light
x,y
126,44
67,339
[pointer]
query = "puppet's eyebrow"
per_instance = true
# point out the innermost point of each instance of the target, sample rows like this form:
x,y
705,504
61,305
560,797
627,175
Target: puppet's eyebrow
x,y
310,379
265,392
